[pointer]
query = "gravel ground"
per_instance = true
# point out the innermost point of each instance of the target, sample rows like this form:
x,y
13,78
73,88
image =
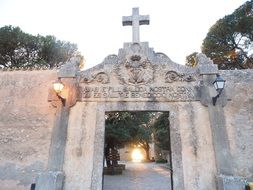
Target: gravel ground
x,y
140,176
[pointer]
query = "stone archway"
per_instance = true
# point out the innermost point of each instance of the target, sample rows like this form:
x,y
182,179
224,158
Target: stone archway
x,y
141,106
72,166
137,79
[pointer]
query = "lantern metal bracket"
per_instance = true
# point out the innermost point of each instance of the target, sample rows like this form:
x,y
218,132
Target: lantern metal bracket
x,y
217,96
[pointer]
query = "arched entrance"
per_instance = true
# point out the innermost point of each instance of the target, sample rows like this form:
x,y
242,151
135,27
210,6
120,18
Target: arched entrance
x,y
137,79
96,165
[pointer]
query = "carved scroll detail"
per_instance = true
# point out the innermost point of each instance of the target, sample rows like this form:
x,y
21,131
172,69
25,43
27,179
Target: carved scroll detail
x,y
173,76
100,77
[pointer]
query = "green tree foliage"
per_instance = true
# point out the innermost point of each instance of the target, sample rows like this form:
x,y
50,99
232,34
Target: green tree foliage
x,y
19,49
229,42
191,60
161,132
122,128
137,128
55,52
116,131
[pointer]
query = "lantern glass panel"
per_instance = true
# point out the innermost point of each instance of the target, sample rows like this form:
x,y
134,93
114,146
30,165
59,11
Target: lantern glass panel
x,y
220,84
58,86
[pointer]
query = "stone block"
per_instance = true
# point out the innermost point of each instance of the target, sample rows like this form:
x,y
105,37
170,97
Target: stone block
x,y
113,170
69,69
52,180
123,166
208,69
231,183
205,65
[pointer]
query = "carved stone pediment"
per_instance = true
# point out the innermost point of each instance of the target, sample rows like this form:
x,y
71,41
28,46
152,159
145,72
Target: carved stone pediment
x,y
138,73
135,69
136,64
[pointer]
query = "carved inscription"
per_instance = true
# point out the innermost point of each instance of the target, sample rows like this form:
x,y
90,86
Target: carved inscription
x,y
136,92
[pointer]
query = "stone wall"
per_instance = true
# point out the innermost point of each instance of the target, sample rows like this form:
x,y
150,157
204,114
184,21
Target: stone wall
x,y
26,121
27,118
239,120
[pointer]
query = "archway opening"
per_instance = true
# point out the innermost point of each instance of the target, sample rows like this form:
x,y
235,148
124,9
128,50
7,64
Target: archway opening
x,y
137,146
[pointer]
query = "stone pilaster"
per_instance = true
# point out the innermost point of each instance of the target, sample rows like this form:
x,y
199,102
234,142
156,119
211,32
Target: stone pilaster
x,y
224,161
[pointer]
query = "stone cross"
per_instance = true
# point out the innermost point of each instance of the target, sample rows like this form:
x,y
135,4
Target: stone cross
x,y
135,20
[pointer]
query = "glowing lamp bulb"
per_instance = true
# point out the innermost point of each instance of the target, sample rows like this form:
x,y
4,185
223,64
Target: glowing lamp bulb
x,y
58,86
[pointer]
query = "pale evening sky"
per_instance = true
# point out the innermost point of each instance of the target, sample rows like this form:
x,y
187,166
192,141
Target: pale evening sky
x,y
177,28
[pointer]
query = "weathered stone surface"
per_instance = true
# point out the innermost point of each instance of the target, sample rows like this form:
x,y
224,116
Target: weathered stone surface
x,y
13,184
231,183
205,65
199,165
25,126
69,69
58,142
51,180
239,120
25,175
80,150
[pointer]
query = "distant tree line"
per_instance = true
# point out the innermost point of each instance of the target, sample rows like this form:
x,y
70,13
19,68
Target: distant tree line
x,y
19,49
229,42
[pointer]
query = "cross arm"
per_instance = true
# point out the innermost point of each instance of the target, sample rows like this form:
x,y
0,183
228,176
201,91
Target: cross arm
x,y
127,20
144,20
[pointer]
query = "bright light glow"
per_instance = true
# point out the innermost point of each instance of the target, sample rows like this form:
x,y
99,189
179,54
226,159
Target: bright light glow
x,y
137,155
58,86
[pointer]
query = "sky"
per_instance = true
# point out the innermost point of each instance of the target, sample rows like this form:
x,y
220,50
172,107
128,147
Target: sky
x,y
177,27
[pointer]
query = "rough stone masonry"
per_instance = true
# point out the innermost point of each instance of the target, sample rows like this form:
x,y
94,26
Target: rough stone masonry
x,y
56,141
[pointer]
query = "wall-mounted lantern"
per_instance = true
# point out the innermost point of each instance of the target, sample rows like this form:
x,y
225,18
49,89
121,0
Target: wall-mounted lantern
x,y
219,85
58,86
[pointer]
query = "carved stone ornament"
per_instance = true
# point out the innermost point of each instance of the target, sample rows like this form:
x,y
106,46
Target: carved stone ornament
x,y
135,70
173,76
100,77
